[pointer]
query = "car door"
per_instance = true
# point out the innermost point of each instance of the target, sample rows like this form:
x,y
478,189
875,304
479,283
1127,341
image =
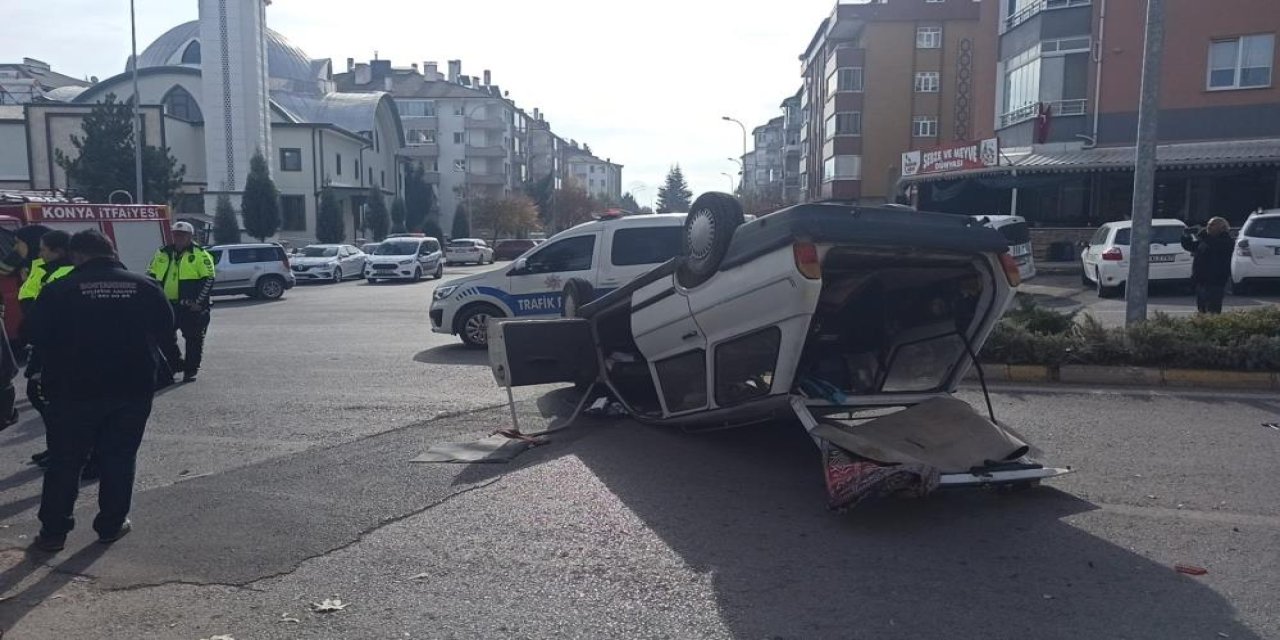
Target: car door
x,y
241,267
429,255
633,251
535,283
219,268
351,261
665,332
1091,254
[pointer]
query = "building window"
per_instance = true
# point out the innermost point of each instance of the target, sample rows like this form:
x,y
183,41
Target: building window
x,y
179,103
459,137
191,55
338,164
848,123
1021,93
844,79
293,213
355,164
842,168
929,37
416,108
1062,46
414,137
459,109
924,126
384,179
433,166
291,159
928,82
460,165
1241,63
370,176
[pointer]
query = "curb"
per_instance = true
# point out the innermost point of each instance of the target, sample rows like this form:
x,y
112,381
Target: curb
x,y
1087,374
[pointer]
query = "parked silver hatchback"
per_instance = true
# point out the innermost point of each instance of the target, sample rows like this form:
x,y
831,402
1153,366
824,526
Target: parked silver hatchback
x,y
255,270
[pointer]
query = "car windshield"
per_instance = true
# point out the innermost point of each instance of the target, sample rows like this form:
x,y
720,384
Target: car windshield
x,y
1268,228
397,248
320,252
1160,234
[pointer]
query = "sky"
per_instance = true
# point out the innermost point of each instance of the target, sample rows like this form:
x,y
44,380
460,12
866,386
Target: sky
x,y
644,83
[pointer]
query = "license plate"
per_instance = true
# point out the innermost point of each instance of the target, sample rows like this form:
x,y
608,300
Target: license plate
x,y
1166,258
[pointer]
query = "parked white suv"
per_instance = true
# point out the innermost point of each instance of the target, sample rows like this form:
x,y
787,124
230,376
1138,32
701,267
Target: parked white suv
x,y
1257,256
1105,259
606,253
255,270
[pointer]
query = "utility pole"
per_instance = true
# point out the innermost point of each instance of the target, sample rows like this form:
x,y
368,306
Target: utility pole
x,y
137,112
1144,170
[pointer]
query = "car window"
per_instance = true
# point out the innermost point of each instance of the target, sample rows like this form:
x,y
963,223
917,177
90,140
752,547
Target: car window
x,y
646,245
1160,234
570,254
217,255
429,247
463,243
1015,233
319,252
254,254
397,248
745,366
1268,228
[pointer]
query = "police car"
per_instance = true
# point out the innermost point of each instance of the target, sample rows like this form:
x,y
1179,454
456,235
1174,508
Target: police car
x,y
607,253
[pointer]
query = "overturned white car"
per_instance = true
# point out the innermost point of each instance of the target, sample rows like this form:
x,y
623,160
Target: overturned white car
x,y
859,321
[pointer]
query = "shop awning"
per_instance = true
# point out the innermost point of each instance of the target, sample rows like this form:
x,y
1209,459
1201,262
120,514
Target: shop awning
x,y
1183,155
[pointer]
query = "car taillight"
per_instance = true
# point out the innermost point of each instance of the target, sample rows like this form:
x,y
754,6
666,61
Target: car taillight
x,y
1114,254
1011,272
807,262
1243,249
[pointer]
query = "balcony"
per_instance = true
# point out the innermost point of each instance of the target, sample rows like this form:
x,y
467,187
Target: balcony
x,y
1033,9
1057,109
424,150
491,151
486,178
431,177
485,123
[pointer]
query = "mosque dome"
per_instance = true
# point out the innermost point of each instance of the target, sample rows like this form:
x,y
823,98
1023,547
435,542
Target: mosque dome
x,y
288,67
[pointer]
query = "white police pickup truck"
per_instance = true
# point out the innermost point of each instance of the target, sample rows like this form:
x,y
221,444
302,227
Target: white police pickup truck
x,y
607,253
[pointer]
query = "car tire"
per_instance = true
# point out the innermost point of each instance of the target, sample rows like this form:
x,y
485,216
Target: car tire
x,y
439,272
1084,276
472,325
269,288
708,230
577,293
1238,288
1108,292
337,275
372,280
417,274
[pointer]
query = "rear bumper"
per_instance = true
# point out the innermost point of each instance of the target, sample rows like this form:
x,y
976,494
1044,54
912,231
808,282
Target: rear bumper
x,y
1246,269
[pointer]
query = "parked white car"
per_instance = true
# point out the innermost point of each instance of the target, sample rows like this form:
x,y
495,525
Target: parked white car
x,y
405,258
818,311
465,250
1105,260
328,262
1257,256
606,253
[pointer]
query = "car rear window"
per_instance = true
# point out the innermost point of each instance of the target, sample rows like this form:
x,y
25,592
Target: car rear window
x,y
1268,228
1160,234
256,254
646,245
464,244
1016,233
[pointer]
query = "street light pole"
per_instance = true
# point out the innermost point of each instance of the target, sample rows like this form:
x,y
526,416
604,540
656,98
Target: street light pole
x,y
1144,170
742,184
730,180
137,113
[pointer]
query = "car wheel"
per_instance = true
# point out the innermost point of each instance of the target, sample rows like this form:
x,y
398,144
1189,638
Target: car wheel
x,y
372,280
417,274
577,293
1240,288
439,272
1107,292
337,275
473,325
1084,276
269,287
708,230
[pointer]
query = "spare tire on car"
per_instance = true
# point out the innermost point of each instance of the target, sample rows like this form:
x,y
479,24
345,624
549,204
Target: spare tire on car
x,y
576,294
707,233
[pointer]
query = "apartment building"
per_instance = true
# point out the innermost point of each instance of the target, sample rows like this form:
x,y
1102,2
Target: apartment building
x,y
601,179
792,123
31,80
1066,88
884,78
764,165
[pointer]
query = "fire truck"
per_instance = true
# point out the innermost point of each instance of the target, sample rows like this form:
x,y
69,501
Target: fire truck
x,y
136,230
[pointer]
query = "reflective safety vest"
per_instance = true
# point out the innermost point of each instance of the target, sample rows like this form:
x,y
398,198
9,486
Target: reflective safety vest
x,y
186,275
39,276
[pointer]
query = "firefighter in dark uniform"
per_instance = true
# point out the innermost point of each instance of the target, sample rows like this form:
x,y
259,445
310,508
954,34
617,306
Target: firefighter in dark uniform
x,y
96,331
185,272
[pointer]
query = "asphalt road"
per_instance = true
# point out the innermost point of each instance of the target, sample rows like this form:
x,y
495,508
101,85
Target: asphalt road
x,y
281,479
1067,293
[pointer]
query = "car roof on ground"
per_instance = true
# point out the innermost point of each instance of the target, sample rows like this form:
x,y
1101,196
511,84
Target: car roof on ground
x,y
639,220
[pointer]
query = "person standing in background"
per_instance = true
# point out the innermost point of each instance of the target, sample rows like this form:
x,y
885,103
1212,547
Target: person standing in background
x,y
1211,250
96,331
185,272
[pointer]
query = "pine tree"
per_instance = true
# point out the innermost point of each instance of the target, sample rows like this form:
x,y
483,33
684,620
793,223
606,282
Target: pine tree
x,y
431,229
629,203
397,215
674,195
226,226
104,160
461,222
419,199
377,218
260,205
329,227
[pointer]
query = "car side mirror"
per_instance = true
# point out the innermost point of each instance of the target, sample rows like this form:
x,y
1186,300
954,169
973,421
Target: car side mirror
x,y
520,266
1083,244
